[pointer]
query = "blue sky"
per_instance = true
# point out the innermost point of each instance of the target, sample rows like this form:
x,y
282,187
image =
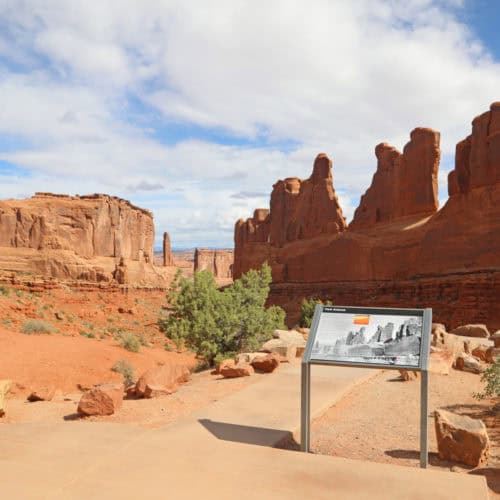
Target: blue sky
x,y
194,109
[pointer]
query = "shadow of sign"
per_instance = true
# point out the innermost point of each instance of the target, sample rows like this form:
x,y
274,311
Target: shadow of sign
x,y
245,434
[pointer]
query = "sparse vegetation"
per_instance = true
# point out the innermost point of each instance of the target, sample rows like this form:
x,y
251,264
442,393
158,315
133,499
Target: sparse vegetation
x,y
4,291
89,335
124,367
216,323
492,378
307,311
36,326
130,342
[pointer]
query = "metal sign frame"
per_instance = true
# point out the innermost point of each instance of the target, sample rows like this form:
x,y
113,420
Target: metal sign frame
x,y
423,367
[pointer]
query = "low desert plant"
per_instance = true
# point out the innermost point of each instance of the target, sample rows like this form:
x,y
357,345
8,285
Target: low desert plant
x,y
4,291
124,367
36,326
492,378
307,311
89,335
130,342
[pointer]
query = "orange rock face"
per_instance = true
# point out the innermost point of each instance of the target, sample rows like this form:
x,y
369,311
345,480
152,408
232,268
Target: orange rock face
x,y
77,237
404,184
168,259
218,262
399,251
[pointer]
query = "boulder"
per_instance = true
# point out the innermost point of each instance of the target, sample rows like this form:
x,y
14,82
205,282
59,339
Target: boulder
x,y
477,330
227,362
461,439
479,352
267,363
492,354
237,370
496,338
290,337
440,361
246,357
5,386
163,379
42,394
468,363
409,375
104,399
287,351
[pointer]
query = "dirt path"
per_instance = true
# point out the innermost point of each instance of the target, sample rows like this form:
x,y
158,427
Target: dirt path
x,y
379,421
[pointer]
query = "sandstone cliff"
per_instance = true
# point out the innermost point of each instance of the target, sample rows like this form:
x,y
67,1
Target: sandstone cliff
x,y
398,250
77,237
218,262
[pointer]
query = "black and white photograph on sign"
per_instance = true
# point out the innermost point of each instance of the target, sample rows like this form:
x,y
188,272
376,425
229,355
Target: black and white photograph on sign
x,y
368,339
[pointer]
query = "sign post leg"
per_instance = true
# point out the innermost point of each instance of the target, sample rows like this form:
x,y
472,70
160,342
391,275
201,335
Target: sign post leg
x,y
424,397
305,406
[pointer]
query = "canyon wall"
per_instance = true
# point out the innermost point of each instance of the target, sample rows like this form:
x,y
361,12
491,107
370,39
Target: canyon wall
x,y
218,262
399,250
92,238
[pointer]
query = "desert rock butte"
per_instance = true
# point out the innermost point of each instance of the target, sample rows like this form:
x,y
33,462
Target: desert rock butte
x,y
399,250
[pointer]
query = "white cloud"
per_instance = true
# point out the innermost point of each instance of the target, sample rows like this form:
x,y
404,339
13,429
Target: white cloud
x,y
88,87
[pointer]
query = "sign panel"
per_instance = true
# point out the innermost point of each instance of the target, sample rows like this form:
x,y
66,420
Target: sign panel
x,y
390,338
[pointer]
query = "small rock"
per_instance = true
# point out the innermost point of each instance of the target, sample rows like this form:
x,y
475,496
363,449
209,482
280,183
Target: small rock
x,y
104,399
42,394
234,371
440,361
480,352
461,439
288,351
408,375
246,357
468,363
491,354
478,330
155,391
266,364
59,316
5,386
226,362
496,338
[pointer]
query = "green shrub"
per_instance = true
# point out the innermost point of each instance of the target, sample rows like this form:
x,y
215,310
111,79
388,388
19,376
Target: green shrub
x,y
124,367
36,326
4,291
214,323
492,378
307,311
130,342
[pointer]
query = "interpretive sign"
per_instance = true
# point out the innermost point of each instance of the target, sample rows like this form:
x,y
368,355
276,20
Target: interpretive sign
x,y
368,337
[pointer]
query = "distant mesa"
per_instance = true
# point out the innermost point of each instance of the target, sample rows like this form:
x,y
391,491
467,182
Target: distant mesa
x,y
95,238
218,261
399,250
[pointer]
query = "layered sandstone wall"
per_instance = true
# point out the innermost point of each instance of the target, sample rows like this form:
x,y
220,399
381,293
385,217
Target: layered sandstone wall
x,y
90,226
218,262
398,241
96,238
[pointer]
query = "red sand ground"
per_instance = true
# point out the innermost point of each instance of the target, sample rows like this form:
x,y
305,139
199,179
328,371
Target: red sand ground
x,y
68,356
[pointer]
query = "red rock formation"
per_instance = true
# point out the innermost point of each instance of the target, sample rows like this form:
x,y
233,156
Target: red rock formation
x,y
398,251
404,184
168,259
77,237
477,159
218,262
